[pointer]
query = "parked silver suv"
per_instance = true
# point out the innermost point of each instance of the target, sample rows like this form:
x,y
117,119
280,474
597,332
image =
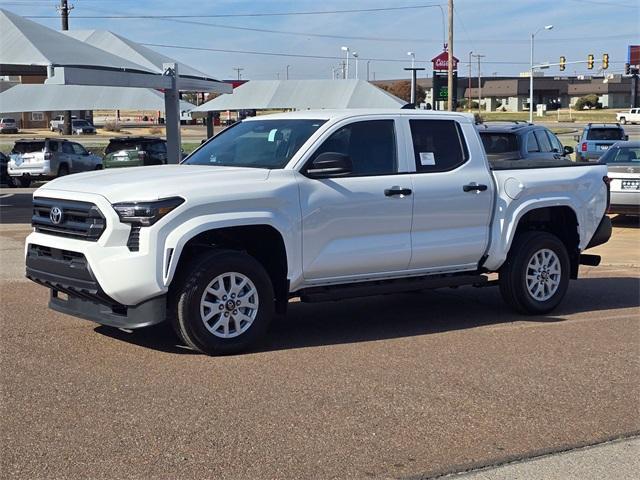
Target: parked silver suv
x,y
8,125
43,159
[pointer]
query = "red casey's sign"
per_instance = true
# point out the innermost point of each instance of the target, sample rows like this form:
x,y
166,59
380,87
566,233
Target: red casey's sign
x,y
441,62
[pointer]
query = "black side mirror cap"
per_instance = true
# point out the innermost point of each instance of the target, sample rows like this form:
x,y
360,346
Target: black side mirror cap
x,y
330,164
568,150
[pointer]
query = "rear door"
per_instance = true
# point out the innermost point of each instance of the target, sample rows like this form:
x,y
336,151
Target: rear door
x,y
453,196
538,146
82,157
356,226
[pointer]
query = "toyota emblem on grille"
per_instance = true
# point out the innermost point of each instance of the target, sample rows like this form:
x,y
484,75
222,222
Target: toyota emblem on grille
x,y
56,215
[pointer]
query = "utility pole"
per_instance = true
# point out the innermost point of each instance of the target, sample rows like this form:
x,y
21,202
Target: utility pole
x,y
64,8
238,69
414,81
469,89
478,56
288,71
368,62
450,105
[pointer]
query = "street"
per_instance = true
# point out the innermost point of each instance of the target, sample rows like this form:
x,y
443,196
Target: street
x,y
400,386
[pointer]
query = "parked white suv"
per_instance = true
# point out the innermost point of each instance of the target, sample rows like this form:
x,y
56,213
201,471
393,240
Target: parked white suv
x,y
320,205
43,159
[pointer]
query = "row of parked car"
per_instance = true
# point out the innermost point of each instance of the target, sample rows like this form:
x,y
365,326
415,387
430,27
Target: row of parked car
x,y
47,158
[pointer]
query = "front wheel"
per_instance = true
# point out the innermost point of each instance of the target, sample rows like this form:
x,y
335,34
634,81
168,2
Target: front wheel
x,y
623,121
222,302
535,277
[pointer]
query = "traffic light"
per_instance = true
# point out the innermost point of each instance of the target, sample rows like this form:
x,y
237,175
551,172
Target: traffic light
x,y
590,61
627,69
605,61
563,63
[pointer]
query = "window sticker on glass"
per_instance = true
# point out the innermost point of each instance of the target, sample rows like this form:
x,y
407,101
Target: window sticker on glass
x,y
427,158
272,135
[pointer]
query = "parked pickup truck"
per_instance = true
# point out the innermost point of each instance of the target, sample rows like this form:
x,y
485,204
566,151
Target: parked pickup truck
x,y
57,123
320,205
632,116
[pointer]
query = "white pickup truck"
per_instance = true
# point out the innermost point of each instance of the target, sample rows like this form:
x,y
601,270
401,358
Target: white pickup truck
x,y
320,205
631,116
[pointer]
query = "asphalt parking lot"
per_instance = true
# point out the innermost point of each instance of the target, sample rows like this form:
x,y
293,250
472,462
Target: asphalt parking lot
x,y
399,386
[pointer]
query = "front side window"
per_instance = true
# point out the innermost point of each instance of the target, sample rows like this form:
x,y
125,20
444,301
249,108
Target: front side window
x,y
256,144
555,143
532,143
67,148
79,149
371,146
543,141
437,145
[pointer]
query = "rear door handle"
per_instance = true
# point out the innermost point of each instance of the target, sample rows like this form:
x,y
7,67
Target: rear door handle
x,y
474,187
390,192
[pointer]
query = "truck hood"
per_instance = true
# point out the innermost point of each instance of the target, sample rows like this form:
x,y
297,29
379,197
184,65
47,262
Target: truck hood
x,y
153,182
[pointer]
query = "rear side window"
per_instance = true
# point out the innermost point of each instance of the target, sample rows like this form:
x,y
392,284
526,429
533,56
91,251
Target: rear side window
x,y
495,142
532,143
157,147
605,134
437,145
371,145
53,146
543,141
28,147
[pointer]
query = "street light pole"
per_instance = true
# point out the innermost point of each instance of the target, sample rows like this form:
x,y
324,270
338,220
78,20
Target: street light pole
x,y
288,71
469,89
355,55
368,62
413,59
346,50
533,35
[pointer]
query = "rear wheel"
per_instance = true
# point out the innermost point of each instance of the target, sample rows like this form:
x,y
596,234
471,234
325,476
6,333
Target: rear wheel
x,y
535,277
24,182
222,302
63,170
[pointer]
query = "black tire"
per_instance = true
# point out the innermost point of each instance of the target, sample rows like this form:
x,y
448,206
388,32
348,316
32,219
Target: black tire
x,y
63,170
99,166
25,182
623,121
512,275
189,287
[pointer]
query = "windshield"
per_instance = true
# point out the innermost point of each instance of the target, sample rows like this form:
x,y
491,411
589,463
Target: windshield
x,y
80,123
605,134
258,144
499,142
622,155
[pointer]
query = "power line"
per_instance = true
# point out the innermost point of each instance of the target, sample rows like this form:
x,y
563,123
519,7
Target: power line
x,y
271,14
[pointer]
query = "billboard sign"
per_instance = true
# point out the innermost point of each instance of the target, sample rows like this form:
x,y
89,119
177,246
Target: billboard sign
x,y
441,62
633,57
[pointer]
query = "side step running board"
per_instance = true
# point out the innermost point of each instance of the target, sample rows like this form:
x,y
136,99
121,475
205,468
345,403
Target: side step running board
x,y
366,289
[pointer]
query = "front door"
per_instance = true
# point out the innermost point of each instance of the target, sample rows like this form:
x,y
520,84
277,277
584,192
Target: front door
x,y
357,226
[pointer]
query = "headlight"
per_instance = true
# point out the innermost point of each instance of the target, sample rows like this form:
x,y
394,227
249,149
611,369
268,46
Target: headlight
x,y
144,214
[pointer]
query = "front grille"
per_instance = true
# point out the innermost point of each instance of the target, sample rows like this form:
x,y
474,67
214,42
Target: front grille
x,y
81,220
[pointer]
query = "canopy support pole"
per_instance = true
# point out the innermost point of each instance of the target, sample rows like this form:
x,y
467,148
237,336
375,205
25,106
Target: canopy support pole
x,y
172,114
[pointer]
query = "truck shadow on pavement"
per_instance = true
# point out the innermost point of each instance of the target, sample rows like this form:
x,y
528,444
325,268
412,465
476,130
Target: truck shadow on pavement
x,y
625,221
406,315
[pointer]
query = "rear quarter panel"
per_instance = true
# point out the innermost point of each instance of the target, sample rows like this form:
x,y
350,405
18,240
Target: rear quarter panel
x,y
580,188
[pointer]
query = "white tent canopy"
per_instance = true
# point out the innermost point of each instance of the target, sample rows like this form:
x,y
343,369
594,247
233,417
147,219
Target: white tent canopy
x,y
46,98
25,43
131,51
303,95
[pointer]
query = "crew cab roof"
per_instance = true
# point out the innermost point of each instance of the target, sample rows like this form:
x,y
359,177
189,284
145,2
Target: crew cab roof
x,y
342,114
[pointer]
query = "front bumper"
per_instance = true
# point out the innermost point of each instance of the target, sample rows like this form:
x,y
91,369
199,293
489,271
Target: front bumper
x,y
75,290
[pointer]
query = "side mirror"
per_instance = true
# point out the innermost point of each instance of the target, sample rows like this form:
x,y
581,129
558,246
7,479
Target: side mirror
x,y
330,164
568,150
626,137
576,138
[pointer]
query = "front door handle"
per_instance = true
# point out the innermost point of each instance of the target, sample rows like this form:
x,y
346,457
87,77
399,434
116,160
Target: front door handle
x,y
390,192
474,187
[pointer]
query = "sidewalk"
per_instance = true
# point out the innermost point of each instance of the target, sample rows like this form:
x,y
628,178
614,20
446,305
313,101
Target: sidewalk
x,y
617,460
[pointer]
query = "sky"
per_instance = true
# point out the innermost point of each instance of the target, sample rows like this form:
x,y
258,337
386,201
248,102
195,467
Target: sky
x,y
498,29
